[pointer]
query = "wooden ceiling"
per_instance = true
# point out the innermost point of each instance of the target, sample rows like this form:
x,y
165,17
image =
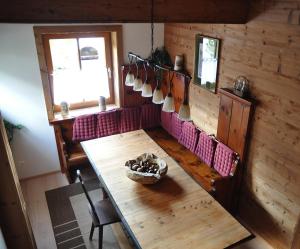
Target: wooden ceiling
x,y
75,11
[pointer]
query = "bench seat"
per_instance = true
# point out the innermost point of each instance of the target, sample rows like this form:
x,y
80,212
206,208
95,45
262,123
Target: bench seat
x,y
203,174
76,156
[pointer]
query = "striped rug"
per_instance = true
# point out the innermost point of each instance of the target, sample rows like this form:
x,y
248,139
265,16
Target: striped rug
x,y
70,218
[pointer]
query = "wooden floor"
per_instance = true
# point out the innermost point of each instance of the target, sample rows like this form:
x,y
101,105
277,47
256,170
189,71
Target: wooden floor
x,y
34,193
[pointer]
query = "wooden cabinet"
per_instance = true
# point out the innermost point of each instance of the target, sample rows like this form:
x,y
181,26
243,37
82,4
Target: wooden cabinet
x,y
234,120
233,130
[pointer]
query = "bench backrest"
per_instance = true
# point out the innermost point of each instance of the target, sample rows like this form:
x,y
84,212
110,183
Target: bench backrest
x,y
205,148
107,123
130,119
84,128
166,121
189,136
176,125
224,160
150,116
210,151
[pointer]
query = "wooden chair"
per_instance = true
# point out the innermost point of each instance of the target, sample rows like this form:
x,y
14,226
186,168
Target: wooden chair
x,y
102,213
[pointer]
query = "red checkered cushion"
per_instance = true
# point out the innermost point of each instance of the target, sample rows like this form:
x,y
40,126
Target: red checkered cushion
x,y
224,159
107,123
176,126
130,119
189,136
84,128
150,116
166,121
205,148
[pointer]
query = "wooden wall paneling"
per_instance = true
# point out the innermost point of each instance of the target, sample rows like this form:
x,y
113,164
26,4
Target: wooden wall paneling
x,y
177,88
225,117
244,133
132,98
42,11
266,50
14,220
235,128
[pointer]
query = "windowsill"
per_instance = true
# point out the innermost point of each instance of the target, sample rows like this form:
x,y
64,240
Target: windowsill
x,y
78,112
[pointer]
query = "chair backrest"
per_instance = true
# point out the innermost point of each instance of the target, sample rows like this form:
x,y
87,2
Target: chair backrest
x,y
189,136
205,148
176,125
86,193
107,123
224,160
84,128
150,116
166,121
130,119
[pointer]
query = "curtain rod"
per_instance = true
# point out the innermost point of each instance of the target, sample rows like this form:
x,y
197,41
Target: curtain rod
x,y
130,54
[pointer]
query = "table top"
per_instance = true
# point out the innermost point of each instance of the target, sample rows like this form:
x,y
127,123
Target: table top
x,y
173,213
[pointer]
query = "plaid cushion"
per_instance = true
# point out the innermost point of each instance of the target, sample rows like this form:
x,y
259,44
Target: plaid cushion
x,y
176,126
205,148
84,128
150,116
130,119
107,123
166,121
189,136
224,158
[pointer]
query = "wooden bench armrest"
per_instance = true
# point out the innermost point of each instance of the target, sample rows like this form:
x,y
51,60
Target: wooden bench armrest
x,y
235,165
219,183
62,148
62,145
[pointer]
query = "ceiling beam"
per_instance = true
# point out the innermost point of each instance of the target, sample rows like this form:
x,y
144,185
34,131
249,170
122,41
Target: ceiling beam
x,y
93,11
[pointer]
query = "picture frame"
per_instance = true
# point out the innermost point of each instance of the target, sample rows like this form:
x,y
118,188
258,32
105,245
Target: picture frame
x,y
206,62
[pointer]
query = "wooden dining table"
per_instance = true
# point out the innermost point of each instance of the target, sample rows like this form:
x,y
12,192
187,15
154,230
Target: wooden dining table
x,y
173,213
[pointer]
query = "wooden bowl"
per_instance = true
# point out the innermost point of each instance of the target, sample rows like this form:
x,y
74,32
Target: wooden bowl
x,y
144,177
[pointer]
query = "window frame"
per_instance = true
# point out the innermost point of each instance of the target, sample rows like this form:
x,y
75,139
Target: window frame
x,y
114,58
108,49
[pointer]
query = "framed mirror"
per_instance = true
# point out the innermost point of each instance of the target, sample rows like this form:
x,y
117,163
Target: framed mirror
x,y
206,62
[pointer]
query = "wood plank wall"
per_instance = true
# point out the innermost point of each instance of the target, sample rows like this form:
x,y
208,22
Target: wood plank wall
x,y
267,51
114,11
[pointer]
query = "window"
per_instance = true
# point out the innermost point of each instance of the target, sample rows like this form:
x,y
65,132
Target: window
x,y
80,68
81,63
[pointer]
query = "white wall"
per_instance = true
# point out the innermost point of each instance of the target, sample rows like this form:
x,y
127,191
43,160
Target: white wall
x,y
2,241
21,93
137,38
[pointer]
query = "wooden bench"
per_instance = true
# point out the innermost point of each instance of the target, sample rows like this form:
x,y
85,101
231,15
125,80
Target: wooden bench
x,y
221,187
70,153
218,186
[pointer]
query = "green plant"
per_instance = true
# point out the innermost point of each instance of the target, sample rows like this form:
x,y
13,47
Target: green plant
x,y
160,56
10,127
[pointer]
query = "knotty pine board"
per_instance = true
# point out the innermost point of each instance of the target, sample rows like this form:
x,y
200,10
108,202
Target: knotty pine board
x,y
114,11
267,51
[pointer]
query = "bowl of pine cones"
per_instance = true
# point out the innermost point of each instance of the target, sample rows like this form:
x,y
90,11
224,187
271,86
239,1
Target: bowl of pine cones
x,y
146,169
